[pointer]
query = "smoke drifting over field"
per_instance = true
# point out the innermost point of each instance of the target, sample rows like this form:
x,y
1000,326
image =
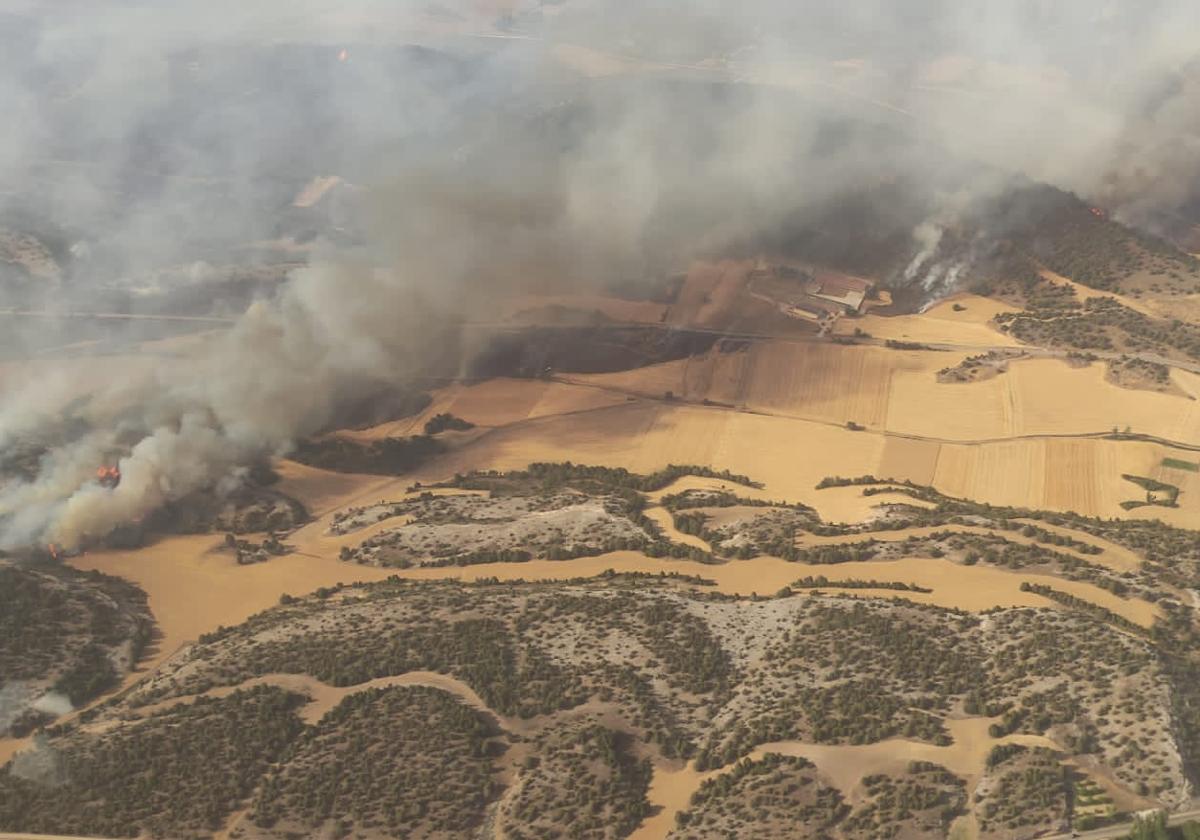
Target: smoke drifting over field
x,y
593,143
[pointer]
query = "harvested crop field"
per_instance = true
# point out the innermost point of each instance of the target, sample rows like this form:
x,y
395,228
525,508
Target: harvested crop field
x,y
791,456
708,294
822,381
496,402
1036,396
321,490
1083,476
909,460
899,391
941,322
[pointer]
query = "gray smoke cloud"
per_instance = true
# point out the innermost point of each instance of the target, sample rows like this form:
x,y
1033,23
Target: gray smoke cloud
x,y
488,147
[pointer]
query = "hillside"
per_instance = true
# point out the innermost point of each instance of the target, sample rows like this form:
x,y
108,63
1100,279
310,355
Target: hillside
x,y
868,694
65,638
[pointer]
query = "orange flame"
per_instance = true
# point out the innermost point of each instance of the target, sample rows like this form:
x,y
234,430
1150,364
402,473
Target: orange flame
x,y
53,549
108,476
1098,213
343,56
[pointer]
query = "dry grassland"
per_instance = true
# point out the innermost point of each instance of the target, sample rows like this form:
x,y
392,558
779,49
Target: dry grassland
x,y
1184,307
790,457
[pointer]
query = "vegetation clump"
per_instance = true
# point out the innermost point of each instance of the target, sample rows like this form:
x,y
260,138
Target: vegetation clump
x,y
773,797
586,777
446,422
370,765
177,774
62,630
389,456
922,802
1027,791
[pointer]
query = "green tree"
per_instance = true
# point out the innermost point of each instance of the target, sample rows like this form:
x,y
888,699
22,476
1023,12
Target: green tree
x,y
1153,827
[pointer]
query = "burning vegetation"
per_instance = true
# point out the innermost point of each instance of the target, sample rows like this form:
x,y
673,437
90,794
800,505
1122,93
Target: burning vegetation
x,y
108,477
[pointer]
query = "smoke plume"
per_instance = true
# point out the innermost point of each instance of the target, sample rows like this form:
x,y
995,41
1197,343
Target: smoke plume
x,y
487,148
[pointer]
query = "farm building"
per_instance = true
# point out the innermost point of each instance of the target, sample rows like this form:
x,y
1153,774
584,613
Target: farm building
x,y
842,289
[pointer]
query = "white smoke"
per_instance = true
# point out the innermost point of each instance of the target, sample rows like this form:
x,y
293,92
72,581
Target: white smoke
x,y
276,376
53,703
928,236
611,178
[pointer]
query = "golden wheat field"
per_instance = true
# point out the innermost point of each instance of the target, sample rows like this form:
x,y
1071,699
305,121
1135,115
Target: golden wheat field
x,y
1038,397
940,323
790,456
899,391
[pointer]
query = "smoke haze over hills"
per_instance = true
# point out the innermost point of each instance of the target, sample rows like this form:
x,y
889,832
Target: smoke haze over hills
x,y
490,150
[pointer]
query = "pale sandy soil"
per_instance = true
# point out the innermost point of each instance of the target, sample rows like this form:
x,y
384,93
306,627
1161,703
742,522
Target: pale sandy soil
x,y
1184,307
1187,382
939,323
671,788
